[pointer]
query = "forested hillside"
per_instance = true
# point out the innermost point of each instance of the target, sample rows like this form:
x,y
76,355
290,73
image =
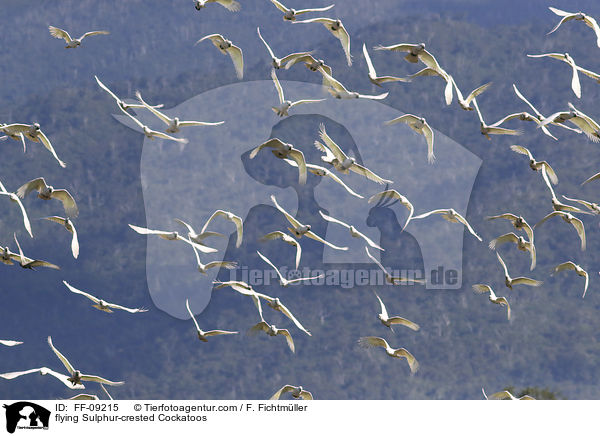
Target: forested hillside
x,y
465,343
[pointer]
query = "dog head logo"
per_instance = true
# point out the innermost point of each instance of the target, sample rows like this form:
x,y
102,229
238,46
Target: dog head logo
x,y
213,171
26,415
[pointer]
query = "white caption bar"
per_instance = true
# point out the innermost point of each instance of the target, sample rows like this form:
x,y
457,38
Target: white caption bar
x,y
334,417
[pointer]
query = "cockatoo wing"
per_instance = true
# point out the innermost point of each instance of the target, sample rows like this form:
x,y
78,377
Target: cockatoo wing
x,y
277,86
290,218
372,341
60,34
77,291
405,322
46,142
316,237
97,379
288,339
68,202
330,143
481,289
237,57
94,32
62,358
286,388
187,306
364,171
526,281
298,157
508,237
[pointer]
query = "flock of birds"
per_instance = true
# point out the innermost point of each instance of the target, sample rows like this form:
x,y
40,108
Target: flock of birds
x,y
337,163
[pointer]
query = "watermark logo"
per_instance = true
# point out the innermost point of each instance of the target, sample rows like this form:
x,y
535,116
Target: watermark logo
x,y
344,278
25,415
213,171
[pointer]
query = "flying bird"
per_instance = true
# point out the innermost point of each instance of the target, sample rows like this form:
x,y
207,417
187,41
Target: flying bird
x,y
311,63
198,238
340,161
518,223
8,343
373,77
286,105
420,126
374,341
288,240
67,224
588,126
276,62
65,379
124,106
296,391
565,57
172,236
28,263
594,207
534,164
225,46
568,218
101,304
578,16
427,71
242,288
34,133
15,199
339,91
282,280
338,30
388,277
299,229
272,330
239,224
76,376
506,395
452,216
151,134
389,321
520,241
276,304
556,203
487,130
73,43
173,124
509,281
579,270
47,192
17,136
324,172
524,116
502,301
291,14
353,232
538,118
202,335
416,53
7,256
393,194
465,103
217,264
283,150
230,5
